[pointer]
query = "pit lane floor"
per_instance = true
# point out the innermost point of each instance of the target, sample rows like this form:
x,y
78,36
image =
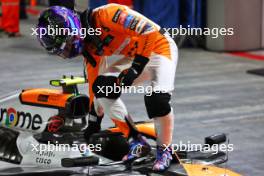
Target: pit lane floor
x,y
213,94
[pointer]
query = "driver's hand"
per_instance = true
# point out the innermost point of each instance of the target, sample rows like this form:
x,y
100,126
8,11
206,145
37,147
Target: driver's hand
x,y
127,77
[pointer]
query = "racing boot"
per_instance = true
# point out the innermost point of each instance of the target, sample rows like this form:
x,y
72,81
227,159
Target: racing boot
x,y
163,159
138,148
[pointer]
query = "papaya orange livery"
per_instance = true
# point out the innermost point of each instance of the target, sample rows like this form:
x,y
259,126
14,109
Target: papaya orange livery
x,y
45,97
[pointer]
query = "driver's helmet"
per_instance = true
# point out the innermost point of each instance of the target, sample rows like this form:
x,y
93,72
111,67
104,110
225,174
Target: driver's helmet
x,y
59,31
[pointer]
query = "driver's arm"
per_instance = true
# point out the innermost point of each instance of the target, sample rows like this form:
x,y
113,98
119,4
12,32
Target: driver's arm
x,y
92,73
125,21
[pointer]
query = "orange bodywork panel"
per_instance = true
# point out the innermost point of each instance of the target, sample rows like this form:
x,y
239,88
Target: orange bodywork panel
x,y
44,97
121,127
146,128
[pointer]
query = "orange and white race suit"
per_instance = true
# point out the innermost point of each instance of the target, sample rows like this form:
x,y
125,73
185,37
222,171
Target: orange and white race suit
x,y
125,34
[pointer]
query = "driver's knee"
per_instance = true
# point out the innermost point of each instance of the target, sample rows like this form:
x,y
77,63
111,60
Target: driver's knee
x,y
106,87
98,108
158,104
113,108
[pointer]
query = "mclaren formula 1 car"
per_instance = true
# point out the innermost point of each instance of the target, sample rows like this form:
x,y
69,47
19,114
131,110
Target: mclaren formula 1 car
x,y
41,133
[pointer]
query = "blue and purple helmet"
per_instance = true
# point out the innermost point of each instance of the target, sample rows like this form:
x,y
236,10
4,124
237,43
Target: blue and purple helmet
x,y
59,31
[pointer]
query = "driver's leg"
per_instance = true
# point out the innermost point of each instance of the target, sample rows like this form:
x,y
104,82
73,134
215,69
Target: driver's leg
x,y
114,107
158,106
117,111
95,117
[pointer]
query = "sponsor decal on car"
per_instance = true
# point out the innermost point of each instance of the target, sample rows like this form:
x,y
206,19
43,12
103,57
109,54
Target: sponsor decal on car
x,y
43,98
45,161
11,118
44,157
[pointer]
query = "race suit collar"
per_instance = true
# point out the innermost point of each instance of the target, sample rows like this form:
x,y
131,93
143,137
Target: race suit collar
x,y
87,22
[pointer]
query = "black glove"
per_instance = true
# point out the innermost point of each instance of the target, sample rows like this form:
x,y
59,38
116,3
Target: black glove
x,y
127,76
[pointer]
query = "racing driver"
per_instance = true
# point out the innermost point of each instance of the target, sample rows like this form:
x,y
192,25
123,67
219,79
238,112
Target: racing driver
x,y
145,52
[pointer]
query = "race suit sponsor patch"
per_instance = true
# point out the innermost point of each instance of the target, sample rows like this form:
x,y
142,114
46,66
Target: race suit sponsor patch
x,y
128,20
147,28
108,39
140,26
116,16
122,18
134,24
